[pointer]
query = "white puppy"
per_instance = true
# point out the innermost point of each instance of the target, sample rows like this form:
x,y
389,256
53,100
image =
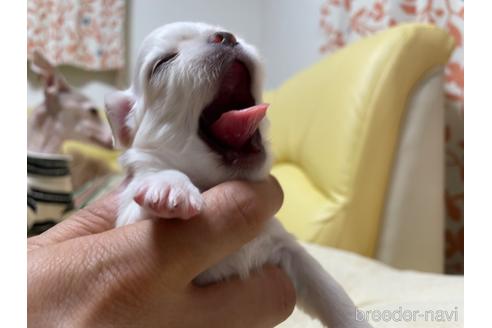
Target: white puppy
x,y
192,119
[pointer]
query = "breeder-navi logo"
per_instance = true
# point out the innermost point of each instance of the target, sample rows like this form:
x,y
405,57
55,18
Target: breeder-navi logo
x,y
407,315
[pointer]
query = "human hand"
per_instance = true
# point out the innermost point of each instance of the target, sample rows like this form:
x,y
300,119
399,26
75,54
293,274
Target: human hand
x,y
84,273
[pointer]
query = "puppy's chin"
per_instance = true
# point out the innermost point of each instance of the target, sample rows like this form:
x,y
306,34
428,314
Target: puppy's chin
x,y
233,124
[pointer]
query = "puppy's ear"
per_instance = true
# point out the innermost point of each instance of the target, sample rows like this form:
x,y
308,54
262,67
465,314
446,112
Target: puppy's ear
x,y
53,81
118,107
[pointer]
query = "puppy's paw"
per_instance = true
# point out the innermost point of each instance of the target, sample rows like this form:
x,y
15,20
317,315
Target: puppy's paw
x,y
169,195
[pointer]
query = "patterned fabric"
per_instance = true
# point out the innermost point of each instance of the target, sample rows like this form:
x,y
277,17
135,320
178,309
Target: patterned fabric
x,y
49,188
343,21
50,194
84,33
96,188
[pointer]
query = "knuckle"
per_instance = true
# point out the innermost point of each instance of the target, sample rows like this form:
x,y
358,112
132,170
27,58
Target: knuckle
x,y
244,209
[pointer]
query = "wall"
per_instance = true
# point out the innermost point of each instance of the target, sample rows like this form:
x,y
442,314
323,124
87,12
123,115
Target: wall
x,y
291,37
243,17
287,40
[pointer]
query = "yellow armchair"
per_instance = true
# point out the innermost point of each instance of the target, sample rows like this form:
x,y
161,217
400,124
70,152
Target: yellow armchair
x,y
335,132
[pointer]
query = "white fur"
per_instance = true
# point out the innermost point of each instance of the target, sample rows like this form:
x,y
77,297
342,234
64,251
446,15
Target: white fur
x,y
167,159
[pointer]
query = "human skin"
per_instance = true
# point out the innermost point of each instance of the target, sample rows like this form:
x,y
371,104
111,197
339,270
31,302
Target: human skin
x,y
84,273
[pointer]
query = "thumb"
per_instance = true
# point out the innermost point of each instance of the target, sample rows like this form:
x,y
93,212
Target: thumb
x,y
265,299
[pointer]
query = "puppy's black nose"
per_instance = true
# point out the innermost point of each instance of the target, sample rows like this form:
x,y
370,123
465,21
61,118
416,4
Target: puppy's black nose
x,y
224,38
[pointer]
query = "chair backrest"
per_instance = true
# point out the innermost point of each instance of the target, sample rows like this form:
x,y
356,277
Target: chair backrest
x,y
335,129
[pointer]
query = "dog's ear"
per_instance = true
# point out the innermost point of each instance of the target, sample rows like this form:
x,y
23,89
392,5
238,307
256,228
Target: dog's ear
x,y
53,81
118,107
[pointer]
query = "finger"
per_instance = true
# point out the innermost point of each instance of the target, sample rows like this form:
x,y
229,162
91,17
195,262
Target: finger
x,y
263,300
234,214
97,217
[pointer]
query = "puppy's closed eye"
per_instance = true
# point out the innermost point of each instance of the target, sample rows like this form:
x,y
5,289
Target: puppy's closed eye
x,y
162,61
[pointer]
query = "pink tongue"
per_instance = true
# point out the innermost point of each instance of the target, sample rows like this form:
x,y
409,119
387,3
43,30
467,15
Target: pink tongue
x,y
235,127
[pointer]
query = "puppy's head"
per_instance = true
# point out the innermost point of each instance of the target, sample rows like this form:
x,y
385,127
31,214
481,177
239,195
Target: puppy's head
x,y
194,105
65,113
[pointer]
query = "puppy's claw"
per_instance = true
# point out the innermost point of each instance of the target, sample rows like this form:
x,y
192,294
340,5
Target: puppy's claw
x,y
180,200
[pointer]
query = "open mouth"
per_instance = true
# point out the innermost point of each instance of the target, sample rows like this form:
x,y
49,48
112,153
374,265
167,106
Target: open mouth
x,y
229,124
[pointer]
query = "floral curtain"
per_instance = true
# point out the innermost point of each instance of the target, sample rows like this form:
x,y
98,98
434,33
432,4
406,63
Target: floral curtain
x,y
344,21
84,33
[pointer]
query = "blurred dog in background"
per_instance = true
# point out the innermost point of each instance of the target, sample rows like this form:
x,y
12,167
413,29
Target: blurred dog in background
x,y
65,114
